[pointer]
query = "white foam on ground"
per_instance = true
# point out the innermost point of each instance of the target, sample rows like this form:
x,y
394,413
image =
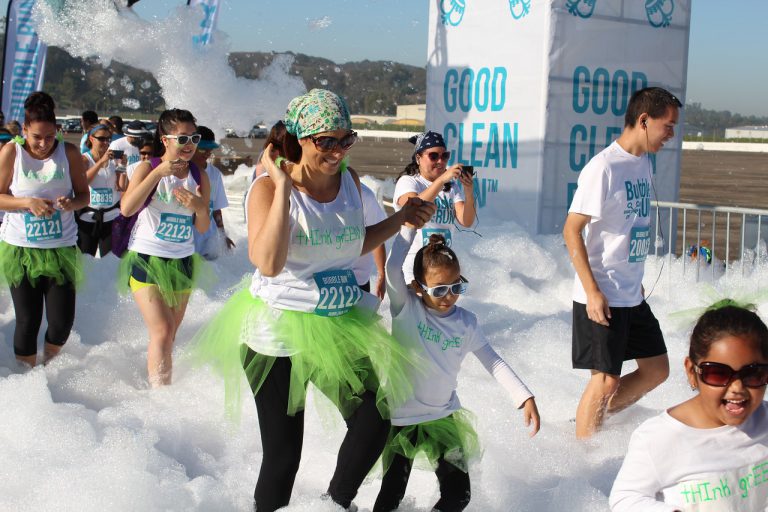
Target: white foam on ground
x,y
85,433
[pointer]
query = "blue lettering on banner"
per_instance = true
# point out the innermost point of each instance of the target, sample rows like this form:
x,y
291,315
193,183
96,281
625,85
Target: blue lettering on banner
x,y
27,53
519,8
338,290
581,8
659,12
599,92
451,12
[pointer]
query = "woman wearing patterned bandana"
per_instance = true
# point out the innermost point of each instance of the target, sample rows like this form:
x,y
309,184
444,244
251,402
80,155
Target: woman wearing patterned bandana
x,y
428,178
304,319
42,182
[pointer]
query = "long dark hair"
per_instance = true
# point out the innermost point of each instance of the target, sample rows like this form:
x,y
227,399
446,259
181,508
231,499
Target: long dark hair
x,y
276,137
39,107
168,120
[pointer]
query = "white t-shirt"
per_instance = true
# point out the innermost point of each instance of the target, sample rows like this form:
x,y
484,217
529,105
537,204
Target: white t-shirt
x,y
671,466
164,228
104,193
208,244
325,240
46,179
443,342
442,222
614,189
131,152
373,214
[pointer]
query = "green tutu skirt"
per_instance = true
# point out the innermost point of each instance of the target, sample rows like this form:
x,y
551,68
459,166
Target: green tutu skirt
x,y
172,276
452,438
62,264
341,356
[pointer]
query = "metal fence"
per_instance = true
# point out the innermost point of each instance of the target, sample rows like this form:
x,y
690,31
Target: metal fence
x,y
722,237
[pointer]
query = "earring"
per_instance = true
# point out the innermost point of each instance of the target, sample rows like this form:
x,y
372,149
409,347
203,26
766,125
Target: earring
x,y
693,387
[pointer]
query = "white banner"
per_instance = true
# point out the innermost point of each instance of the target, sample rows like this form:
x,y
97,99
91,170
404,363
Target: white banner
x,y
24,59
528,91
210,13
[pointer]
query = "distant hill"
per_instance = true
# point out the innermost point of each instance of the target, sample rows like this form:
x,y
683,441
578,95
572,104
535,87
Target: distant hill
x,y
370,87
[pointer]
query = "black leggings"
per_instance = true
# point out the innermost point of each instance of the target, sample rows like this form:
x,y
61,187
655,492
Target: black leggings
x,y
91,236
282,436
455,490
28,301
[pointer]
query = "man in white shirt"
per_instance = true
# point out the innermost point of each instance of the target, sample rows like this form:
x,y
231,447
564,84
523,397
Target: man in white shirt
x,y
612,322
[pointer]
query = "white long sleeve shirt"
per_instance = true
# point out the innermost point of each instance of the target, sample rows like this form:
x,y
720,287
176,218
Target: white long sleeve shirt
x,y
671,466
443,341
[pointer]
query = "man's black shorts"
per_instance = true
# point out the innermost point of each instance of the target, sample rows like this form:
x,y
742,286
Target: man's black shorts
x,y
633,333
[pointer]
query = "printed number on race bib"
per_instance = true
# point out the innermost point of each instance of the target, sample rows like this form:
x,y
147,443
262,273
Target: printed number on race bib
x,y
338,292
101,197
39,229
639,244
174,227
427,232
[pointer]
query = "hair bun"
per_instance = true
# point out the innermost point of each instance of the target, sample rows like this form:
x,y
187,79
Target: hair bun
x,y
436,239
40,99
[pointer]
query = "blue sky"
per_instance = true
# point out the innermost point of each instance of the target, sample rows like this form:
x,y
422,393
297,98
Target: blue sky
x,y
727,70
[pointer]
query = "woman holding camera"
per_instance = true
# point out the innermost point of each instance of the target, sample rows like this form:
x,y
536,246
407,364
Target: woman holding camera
x,y
427,178
94,222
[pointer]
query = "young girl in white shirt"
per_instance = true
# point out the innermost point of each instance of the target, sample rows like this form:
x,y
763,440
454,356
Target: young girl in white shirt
x,y
425,317
709,453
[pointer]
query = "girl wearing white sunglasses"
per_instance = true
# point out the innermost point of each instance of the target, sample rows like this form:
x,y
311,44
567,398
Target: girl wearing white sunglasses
x,y
425,318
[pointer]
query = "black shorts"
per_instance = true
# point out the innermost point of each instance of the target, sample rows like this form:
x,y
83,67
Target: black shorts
x,y
140,275
633,333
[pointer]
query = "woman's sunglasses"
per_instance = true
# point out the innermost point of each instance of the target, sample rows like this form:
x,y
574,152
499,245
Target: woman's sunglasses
x,y
443,289
721,375
105,139
326,144
183,140
435,156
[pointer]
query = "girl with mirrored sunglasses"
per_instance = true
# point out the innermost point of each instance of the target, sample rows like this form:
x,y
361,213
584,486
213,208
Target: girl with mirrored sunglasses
x,y
425,318
711,451
429,177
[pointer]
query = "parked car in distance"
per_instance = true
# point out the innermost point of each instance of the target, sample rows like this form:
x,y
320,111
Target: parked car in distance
x,y
259,131
71,126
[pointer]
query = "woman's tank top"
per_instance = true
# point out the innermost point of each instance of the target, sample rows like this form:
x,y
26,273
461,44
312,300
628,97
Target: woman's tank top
x,y
104,193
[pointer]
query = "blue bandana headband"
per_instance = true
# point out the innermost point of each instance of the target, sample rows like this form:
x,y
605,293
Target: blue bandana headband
x,y
426,140
97,128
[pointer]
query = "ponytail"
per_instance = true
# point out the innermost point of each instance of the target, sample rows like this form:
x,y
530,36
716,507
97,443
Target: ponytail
x,y
436,254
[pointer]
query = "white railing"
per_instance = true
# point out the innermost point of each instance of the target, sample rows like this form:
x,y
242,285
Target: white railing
x,y
713,227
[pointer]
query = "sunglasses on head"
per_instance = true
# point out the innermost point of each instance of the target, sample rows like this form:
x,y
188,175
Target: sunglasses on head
x,y
326,144
435,156
442,290
106,138
721,375
183,140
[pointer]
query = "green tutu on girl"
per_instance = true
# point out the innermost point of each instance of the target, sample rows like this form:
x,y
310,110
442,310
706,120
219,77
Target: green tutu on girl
x,y
62,264
342,356
171,276
454,438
